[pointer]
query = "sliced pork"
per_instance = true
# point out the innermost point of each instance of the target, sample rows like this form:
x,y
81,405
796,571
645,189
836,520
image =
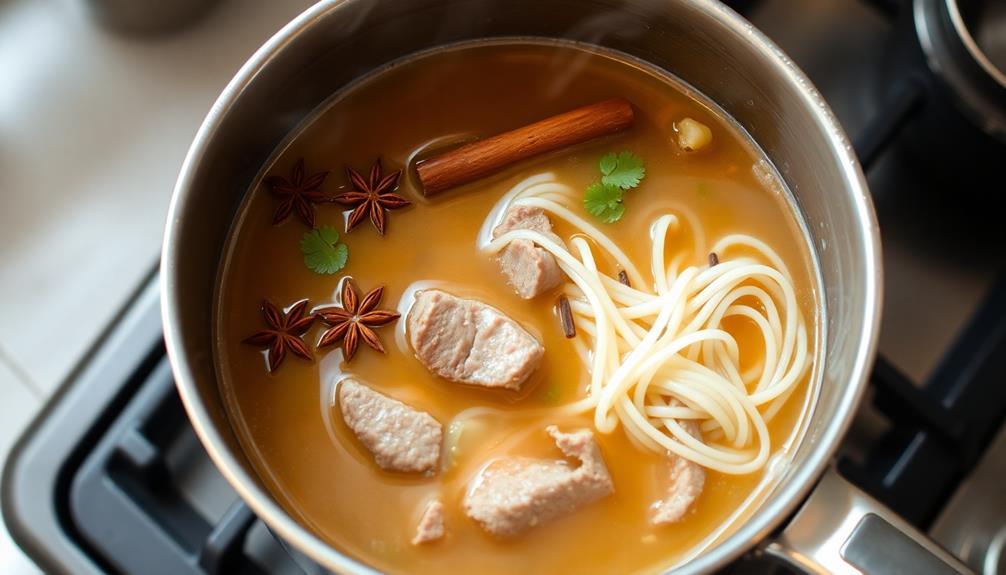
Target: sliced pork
x,y
687,479
467,341
529,269
399,437
431,525
514,494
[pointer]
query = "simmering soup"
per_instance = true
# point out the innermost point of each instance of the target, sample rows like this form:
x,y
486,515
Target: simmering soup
x,y
592,360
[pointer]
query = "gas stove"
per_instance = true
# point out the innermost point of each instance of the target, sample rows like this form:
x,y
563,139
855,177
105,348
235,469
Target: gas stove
x,y
111,478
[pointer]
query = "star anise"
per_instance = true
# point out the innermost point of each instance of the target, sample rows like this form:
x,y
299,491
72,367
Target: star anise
x,y
355,320
372,196
284,332
298,193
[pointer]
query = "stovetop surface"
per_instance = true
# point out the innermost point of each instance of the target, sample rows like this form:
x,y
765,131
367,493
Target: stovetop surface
x,y
112,479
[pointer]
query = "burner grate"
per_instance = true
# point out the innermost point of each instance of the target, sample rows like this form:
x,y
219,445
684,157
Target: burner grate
x,y
112,479
125,498
941,429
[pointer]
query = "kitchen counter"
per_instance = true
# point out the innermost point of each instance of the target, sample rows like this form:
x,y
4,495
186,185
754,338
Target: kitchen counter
x,y
93,130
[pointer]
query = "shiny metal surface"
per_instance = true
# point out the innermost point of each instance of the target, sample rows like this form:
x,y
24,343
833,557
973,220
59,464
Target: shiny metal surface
x,y
971,17
973,525
876,546
841,530
702,42
956,57
988,28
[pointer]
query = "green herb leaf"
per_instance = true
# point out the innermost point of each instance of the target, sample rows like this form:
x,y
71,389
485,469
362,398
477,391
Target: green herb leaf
x,y
608,163
604,201
624,170
322,252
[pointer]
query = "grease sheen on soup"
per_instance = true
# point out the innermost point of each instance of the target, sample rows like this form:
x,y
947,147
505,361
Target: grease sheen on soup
x,y
287,422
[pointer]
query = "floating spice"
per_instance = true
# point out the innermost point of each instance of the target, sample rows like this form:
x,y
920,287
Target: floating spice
x,y
298,193
713,259
372,196
355,320
284,332
566,317
486,157
623,278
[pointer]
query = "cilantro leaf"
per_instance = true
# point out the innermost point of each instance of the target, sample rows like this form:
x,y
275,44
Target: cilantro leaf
x,y
604,201
619,172
624,169
322,252
608,163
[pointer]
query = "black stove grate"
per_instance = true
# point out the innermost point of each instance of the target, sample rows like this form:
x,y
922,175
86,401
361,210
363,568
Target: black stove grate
x,y
940,429
112,479
125,503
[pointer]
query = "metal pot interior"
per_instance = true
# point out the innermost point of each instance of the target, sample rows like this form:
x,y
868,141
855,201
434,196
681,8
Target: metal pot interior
x,y
703,43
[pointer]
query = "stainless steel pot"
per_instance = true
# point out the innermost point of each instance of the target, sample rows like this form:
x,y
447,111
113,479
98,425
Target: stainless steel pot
x,y
704,43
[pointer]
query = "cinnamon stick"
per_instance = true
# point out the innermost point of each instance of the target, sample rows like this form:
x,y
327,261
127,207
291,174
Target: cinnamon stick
x,y
485,157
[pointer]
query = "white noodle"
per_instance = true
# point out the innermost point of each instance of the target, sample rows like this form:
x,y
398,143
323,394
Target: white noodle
x,y
658,351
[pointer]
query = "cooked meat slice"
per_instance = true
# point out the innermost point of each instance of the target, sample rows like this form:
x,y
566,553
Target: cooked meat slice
x,y
400,438
514,494
467,341
530,270
686,481
431,526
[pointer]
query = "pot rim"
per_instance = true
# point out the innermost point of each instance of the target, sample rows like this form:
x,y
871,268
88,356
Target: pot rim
x,y
774,511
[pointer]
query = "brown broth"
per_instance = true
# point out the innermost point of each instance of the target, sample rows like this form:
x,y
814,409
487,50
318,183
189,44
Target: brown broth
x,y
295,437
